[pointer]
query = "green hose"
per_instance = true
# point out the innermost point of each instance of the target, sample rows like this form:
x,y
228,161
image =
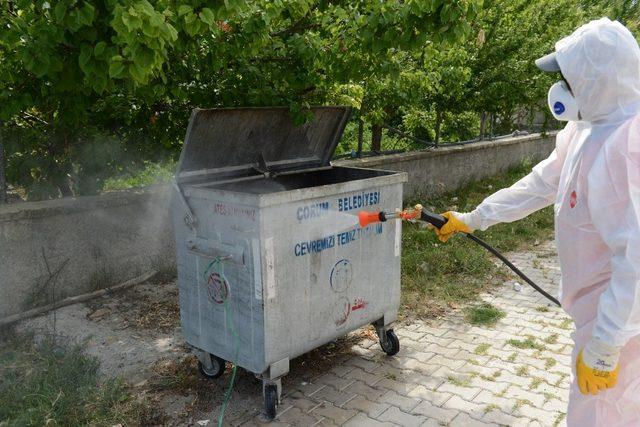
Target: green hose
x,y
219,268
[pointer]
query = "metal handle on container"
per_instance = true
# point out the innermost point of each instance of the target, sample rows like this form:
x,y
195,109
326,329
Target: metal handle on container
x,y
212,250
189,218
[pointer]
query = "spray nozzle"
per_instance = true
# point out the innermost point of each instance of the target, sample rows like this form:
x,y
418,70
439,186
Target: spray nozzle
x,y
367,218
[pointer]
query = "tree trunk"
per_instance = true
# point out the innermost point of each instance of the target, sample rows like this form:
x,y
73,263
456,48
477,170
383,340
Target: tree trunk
x,y
63,184
360,136
376,138
483,125
492,123
438,126
3,177
65,188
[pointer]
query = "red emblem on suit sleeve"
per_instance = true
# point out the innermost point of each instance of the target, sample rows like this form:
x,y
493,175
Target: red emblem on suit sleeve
x,y
573,200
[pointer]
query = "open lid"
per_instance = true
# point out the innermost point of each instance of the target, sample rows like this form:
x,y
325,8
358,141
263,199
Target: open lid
x,y
230,142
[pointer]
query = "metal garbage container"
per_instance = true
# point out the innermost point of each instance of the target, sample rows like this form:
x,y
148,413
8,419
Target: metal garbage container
x,y
271,260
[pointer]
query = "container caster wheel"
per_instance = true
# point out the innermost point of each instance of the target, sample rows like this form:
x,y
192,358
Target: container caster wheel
x,y
270,401
217,367
391,343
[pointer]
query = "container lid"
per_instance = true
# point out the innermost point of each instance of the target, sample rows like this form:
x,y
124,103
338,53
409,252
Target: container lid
x,y
230,142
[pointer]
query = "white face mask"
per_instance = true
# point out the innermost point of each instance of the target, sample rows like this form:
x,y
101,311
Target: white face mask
x,y
562,103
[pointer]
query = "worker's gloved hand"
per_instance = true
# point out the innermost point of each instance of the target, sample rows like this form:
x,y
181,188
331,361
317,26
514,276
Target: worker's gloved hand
x,y
597,367
454,225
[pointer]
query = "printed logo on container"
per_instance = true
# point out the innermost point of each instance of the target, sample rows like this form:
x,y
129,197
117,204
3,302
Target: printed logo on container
x,y
358,201
344,308
341,311
235,211
217,288
341,275
359,304
573,199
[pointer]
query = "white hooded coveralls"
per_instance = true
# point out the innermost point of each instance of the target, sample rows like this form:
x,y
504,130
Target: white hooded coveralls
x,y
593,179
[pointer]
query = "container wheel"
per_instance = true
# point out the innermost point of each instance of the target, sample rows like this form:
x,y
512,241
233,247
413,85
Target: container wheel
x,y
217,367
391,345
270,401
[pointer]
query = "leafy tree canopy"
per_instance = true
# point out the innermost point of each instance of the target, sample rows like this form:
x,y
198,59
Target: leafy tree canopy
x,y
91,88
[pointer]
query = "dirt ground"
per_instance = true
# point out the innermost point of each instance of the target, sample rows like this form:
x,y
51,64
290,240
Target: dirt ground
x,y
136,336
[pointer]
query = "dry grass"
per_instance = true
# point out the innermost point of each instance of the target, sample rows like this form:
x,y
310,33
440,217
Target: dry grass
x,y
56,383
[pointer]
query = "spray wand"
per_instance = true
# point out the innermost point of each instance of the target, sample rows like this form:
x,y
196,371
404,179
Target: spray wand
x,y
419,213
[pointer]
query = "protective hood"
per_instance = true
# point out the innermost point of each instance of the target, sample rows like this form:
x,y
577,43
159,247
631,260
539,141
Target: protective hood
x,y
601,62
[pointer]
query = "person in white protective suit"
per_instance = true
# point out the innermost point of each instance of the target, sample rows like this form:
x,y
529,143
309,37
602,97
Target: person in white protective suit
x,y
593,179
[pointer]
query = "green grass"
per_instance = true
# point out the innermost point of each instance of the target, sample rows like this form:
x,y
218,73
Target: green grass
x,y
535,383
491,407
482,349
520,403
438,276
548,396
57,384
552,339
151,173
566,324
527,344
491,377
559,419
484,314
464,381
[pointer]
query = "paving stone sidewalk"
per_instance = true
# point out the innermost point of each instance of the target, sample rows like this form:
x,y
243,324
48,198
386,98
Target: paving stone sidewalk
x,y
448,372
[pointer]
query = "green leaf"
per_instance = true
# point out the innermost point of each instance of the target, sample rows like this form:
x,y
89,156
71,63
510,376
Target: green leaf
x,y
116,69
150,30
157,19
74,22
131,22
87,13
146,8
193,28
41,66
190,18
60,11
184,9
173,33
99,48
99,83
138,75
144,58
207,16
84,58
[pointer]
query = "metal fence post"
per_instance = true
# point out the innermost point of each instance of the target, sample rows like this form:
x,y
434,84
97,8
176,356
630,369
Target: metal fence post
x,y
360,137
3,177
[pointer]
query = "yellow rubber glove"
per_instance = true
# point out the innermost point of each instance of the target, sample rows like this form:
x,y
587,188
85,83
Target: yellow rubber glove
x,y
453,226
597,367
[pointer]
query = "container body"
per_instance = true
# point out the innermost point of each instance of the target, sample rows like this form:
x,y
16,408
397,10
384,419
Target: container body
x,y
279,266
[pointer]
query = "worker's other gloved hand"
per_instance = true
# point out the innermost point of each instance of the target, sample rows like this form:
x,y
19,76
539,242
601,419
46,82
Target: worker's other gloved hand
x,y
597,367
454,225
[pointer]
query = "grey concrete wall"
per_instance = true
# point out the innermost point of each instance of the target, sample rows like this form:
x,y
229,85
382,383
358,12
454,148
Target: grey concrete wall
x,y
432,172
59,248
54,249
